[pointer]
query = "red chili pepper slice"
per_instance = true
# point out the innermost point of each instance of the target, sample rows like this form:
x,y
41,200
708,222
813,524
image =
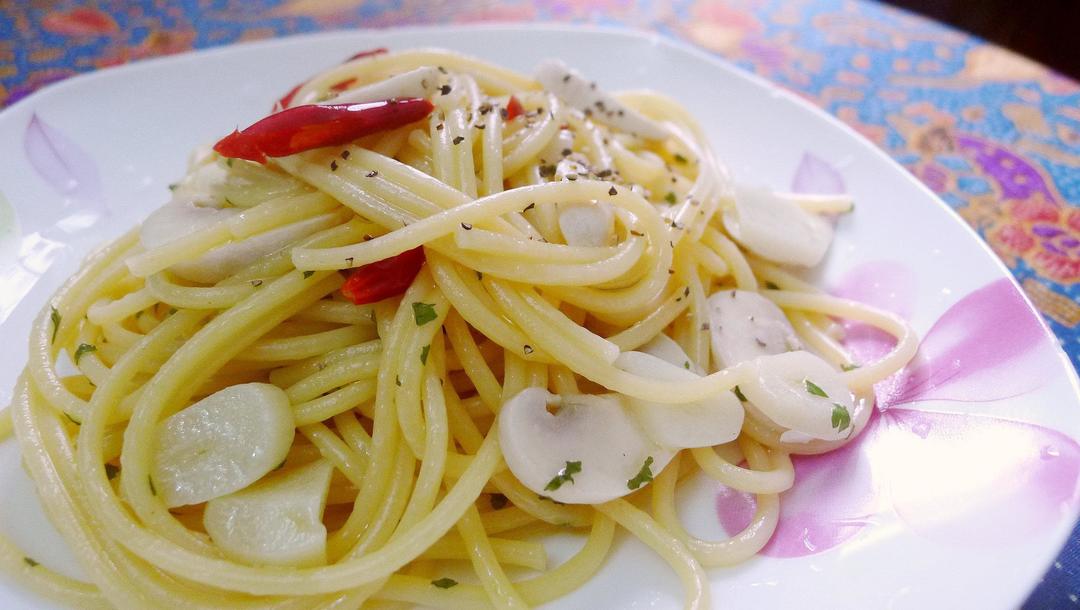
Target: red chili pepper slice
x,y
383,279
369,53
288,97
514,109
303,128
343,85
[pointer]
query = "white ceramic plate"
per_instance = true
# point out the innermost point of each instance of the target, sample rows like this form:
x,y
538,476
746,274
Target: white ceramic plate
x,y
959,495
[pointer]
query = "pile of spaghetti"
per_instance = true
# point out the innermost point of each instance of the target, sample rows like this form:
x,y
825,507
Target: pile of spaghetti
x,y
428,310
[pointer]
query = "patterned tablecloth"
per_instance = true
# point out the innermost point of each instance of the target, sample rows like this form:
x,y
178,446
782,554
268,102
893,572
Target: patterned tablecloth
x,y
994,134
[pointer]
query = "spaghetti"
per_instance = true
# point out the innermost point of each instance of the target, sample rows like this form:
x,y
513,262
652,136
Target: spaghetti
x,y
426,312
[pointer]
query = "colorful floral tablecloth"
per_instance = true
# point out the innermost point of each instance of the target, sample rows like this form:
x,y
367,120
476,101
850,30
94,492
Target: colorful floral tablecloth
x,y
994,134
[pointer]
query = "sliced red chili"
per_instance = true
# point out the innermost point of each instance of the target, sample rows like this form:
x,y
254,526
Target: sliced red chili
x,y
343,85
369,53
514,109
383,279
288,97
295,130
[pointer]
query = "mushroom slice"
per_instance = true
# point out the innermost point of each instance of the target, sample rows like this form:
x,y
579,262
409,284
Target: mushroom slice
x,y
589,452
704,423
584,95
744,325
222,444
587,224
276,522
421,82
801,393
777,229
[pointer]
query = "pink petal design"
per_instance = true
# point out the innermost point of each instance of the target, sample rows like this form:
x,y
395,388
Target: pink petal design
x,y
832,500
961,478
63,164
975,480
984,348
815,175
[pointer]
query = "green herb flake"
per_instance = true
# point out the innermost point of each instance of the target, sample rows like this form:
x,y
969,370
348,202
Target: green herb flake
x,y
72,419
83,349
423,313
55,317
565,474
849,367
738,394
445,583
670,198
424,354
814,389
397,380
308,274
680,159
111,471
150,480
841,419
172,187
686,364
30,562
643,476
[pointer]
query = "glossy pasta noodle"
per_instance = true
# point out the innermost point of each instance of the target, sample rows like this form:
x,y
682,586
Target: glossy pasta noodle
x,y
375,357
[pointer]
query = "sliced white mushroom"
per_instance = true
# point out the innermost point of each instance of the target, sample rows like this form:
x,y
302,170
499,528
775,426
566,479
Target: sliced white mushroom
x,y
777,229
421,82
222,444
801,393
587,224
589,452
223,261
277,521
744,325
704,423
584,95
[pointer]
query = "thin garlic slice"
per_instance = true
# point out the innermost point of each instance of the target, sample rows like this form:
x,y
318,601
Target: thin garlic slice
x,y
704,423
589,452
276,522
421,82
587,224
601,106
744,325
777,229
222,444
800,392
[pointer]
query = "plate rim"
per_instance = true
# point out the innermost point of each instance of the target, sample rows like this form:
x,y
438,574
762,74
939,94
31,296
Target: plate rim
x,y
636,35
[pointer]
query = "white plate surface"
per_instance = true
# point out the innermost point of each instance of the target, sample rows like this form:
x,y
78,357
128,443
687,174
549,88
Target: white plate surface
x,y
935,510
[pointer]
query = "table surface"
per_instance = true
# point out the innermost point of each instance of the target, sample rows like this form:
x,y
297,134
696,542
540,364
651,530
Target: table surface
x,y
993,134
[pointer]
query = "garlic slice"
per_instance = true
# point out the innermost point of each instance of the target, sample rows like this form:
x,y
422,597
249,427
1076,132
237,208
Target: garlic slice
x,y
421,82
704,423
744,325
589,452
276,522
222,443
777,229
587,224
579,92
800,392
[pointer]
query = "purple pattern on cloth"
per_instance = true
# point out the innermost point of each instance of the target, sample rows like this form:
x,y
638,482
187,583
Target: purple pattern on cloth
x,y
1017,178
